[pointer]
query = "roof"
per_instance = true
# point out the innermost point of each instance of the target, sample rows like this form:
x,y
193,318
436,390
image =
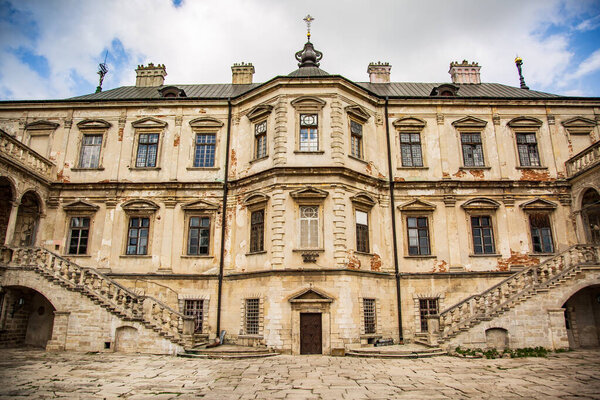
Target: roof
x,y
307,72
489,90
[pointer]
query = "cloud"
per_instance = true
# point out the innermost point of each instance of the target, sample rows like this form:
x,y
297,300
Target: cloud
x,y
587,66
589,24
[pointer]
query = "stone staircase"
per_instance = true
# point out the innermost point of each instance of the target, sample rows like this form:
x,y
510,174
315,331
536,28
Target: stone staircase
x,y
103,291
517,288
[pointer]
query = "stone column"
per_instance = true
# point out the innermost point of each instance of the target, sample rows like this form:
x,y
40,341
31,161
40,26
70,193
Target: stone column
x,y
12,221
59,331
108,249
558,330
454,258
167,251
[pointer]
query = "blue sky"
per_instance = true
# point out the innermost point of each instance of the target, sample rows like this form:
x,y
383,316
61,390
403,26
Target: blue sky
x,y
51,49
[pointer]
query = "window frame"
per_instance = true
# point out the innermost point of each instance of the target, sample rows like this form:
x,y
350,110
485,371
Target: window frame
x,y
129,237
424,312
481,207
261,248
365,323
367,230
410,125
417,208
204,126
418,230
482,243
207,145
540,207
318,219
359,137
542,250
411,145
78,209
82,145
462,134
199,209
258,136
70,235
255,331
528,146
307,105
309,197
199,317
139,209
527,125
199,228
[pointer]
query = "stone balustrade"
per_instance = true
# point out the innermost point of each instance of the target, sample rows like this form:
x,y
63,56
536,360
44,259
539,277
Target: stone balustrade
x,y
112,295
16,151
584,160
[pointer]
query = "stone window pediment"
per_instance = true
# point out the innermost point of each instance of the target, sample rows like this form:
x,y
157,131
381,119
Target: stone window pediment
x,y
579,125
469,122
308,103
310,193
417,205
256,199
206,122
310,295
140,207
41,125
409,124
200,205
480,203
259,112
80,207
358,112
538,205
149,122
93,124
525,122
364,200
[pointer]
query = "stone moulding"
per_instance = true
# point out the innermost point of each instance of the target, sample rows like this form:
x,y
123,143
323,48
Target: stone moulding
x,y
358,113
140,206
579,125
206,122
524,122
93,124
417,205
80,206
256,199
149,122
200,205
469,122
259,112
480,203
309,193
409,123
41,125
538,204
363,199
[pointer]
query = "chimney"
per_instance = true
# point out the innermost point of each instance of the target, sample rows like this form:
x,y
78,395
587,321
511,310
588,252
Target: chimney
x,y
242,73
379,72
150,76
464,72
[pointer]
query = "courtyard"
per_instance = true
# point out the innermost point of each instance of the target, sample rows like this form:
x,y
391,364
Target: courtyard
x,y
35,374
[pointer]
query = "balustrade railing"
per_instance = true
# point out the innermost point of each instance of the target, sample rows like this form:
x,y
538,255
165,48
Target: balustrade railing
x,y
584,160
482,306
113,295
13,149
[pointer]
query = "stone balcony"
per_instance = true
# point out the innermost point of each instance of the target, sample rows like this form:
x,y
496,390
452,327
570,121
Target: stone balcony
x,y
583,161
22,156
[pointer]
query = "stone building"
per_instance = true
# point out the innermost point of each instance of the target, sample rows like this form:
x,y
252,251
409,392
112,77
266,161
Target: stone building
x,y
309,214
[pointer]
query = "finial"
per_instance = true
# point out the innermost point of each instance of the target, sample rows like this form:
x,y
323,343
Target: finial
x,y
102,71
519,63
308,19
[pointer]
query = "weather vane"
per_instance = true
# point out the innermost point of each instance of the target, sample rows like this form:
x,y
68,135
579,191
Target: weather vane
x,y
102,71
308,19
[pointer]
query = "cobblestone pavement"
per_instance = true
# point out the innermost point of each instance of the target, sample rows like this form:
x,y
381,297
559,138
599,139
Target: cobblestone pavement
x,y
33,374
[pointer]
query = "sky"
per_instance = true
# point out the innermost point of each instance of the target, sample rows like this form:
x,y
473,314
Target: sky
x,y
50,49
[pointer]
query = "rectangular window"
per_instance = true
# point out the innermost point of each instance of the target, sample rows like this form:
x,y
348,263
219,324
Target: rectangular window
x,y
147,150
90,151
362,231
369,316
418,236
528,151
309,227
356,139
309,136
427,307
257,231
410,148
137,236
78,235
204,155
252,316
260,137
198,236
472,149
483,235
541,234
195,309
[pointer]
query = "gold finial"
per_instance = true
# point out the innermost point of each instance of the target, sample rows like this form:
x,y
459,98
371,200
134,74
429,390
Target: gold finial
x,y
518,59
308,19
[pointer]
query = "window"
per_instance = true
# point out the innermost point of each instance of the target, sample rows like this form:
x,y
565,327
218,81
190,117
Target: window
x,y
541,234
309,137
195,308
257,231
252,314
427,307
309,226
260,138
528,151
204,155
356,133
137,236
410,147
483,235
418,236
90,151
369,316
147,150
362,231
472,149
198,236
79,232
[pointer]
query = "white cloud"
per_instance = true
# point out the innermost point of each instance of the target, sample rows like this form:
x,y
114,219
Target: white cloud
x,y
587,66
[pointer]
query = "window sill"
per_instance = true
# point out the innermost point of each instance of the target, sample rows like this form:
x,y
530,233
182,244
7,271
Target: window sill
x,y
135,256
370,335
258,159
88,169
530,167
482,167
305,250
357,159
362,253
421,256
309,152
77,255
256,252
423,167
144,168
244,336
203,168
486,255
541,254
197,256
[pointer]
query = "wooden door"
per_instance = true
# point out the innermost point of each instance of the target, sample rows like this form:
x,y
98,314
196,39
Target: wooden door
x,y
310,333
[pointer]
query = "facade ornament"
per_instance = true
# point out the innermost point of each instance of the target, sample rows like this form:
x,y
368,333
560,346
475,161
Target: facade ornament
x,y
496,119
519,64
449,200
178,120
68,123
551,119
308,57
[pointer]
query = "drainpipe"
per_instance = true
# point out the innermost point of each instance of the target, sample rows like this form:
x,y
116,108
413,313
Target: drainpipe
x,y
223,219
392,208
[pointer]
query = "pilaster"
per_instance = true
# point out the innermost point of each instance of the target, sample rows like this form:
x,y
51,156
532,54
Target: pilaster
x,y
280,136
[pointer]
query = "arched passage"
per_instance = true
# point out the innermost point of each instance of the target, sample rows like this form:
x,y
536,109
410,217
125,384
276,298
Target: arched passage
x,y
26,317
590,211
582,317
7,196
28,219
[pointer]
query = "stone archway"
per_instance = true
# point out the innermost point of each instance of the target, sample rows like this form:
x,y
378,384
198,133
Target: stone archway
x,y
28,219
7,197
26,317
126,338
590,211
582,317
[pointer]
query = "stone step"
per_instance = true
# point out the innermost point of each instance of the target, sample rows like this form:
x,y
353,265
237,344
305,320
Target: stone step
x,y
415,354
229,355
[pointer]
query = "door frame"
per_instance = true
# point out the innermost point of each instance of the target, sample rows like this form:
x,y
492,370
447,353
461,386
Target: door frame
x,y
311,300
320,328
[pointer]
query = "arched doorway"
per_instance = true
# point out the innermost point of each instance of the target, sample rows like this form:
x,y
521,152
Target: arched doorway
x,y
590,211
582,317
7,196
26,317
28,219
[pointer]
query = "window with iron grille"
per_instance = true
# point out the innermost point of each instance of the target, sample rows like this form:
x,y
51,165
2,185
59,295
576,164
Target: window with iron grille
x,y
356,133
78,236
369,316
309,227
410,149
195,308
472,149
90,151
257,231
147,150
418,236
252,317
427,307
198,236
541,234
260,137
528,151
362,231
137,236
483,235
204,154
309,136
